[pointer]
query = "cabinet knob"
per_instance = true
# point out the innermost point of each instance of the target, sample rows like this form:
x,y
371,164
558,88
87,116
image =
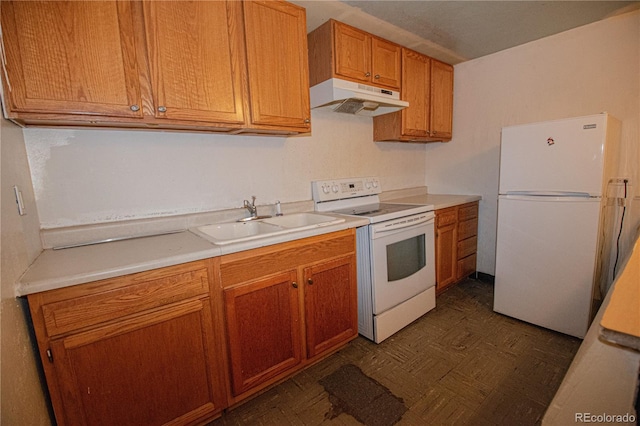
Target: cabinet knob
x,y
306,121
134,108
294,284
368,74
162,108
310,281
376,76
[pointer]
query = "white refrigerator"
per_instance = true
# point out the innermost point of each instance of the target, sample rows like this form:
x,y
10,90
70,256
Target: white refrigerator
x,y
554,237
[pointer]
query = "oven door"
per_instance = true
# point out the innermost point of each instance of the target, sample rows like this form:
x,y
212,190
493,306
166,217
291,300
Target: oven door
x,y
403,259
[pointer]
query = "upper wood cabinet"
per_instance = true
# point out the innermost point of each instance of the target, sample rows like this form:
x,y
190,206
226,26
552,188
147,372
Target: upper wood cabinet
x,y
427,84
340,50
72,57
213,65
441,116
276,35
195,53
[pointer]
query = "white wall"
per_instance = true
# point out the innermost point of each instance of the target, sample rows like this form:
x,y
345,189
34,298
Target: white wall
x,y
93,176
584,71
22,400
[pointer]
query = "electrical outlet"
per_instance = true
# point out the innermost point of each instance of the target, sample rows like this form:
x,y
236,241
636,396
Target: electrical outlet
x,y
618,188
19,201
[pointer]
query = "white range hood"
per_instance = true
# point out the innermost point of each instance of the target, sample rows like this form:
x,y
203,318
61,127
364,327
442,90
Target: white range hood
x,y
355,98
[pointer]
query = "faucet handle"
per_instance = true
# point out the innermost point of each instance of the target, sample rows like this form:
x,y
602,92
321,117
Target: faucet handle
x,y
253,200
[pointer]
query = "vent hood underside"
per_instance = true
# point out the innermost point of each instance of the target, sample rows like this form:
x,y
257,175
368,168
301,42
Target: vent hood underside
x,y
355,98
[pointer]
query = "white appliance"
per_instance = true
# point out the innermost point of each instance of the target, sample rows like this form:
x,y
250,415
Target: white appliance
x,y
355,98
553,246
395,252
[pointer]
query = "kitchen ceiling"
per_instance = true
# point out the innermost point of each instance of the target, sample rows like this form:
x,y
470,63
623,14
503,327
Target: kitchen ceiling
x,y
456,31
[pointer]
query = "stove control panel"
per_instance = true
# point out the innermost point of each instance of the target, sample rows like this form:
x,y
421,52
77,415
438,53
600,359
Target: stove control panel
x,y
338,189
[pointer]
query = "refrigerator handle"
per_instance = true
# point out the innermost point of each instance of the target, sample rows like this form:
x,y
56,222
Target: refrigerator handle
x,y
549,194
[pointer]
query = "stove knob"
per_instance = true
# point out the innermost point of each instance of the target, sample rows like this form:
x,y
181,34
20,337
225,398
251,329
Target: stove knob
x,y
335,188
325,189
367,185
375,183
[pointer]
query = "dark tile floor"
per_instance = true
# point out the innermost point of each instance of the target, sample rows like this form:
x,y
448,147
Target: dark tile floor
x,y
459,364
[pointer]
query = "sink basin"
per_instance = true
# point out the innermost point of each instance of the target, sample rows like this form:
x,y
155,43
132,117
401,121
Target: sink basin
x,y
226,233
235,232
303,220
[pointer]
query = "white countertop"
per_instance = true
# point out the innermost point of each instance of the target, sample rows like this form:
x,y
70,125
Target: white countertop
x,y
602,380
439,201
78,265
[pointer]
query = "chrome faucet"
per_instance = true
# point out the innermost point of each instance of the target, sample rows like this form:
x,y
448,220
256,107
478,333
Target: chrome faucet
x,y
251,206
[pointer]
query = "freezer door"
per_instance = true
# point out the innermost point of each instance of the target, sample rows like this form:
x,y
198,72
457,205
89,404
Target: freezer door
x,y
558,156
545,258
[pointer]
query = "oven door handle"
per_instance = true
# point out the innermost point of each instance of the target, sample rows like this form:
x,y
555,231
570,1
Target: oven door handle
x,y
401,225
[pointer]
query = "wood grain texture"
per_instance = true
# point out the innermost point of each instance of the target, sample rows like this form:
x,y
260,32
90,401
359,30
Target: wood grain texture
x,y
76,312
386,60
150,369
446,256
263,321
277,60
119,333
331,304
352,53
441,100
321,60
240,267
70,57
196,59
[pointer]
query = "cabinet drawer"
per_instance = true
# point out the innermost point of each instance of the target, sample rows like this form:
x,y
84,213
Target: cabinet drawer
x,y
466,266
468,211
467,229
446,217
467,247
109,299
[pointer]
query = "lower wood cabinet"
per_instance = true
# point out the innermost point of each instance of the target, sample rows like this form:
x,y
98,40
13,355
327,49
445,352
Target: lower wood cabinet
x,y
178,345
456,244
287,306
135,350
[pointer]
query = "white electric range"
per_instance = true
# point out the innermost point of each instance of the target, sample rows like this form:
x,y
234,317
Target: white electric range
x,y
396,254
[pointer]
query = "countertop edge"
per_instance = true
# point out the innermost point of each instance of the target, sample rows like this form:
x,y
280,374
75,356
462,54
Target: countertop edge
x,y
54,269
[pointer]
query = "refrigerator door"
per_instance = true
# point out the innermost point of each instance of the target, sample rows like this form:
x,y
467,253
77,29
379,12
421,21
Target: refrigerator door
x,y
556,156
545,259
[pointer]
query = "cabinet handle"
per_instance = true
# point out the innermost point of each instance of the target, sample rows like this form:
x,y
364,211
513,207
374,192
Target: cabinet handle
x,y
134,108
294,284
377,76
368,74
310,281
162,108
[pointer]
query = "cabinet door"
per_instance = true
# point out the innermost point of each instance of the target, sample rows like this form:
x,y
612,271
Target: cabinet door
x,y
352,51
416,90
446,256
441,100
70,57
276,34
386,58
263,329
331,305
148,369
196,60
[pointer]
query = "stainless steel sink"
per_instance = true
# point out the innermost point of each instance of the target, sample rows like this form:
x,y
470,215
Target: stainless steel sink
x,y
234,232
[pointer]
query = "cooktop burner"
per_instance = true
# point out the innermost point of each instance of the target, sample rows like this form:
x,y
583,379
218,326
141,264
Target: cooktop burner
x,y
376,209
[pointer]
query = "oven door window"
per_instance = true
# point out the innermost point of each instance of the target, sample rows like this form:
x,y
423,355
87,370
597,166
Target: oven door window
x,y
405,258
